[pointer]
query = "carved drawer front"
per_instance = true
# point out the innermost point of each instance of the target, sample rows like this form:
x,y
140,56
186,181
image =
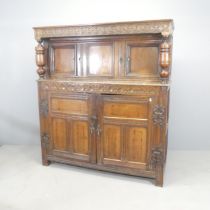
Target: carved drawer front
x,y
125,123
141,59
70,128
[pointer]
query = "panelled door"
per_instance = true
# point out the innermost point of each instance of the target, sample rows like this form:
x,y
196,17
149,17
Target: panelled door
x,y
69,119
124,131
141,59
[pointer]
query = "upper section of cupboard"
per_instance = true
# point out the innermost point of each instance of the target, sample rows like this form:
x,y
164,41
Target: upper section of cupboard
x,y
131,50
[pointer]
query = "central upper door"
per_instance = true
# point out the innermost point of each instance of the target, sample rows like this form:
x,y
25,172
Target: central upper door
x,y
99,58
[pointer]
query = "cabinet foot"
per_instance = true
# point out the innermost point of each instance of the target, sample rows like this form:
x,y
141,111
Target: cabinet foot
x,y
45,162
159,177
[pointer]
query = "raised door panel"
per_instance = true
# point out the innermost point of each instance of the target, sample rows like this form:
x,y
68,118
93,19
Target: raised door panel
x,y
136,144
71,106
70,121
125,124
117,109
59,134
141,59
112,142
80,139
100,59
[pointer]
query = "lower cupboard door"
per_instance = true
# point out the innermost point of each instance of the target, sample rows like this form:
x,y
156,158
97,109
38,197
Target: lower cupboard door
x,y
125,131
71,139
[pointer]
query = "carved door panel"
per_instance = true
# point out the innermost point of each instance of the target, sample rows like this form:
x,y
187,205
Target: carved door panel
x,y
124,131
99,59
70,126
141,59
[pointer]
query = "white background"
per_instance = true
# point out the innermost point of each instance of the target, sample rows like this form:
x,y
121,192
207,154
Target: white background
x,y
190,93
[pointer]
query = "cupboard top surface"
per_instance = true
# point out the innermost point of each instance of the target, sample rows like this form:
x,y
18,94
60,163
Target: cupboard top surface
x,y
164,26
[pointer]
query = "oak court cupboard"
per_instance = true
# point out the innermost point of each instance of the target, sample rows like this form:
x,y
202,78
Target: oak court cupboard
x,y
104,95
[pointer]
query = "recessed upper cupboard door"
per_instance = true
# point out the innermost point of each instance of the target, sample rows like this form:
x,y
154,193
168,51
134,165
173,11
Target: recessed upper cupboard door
x,y
100,58
141,60
63,60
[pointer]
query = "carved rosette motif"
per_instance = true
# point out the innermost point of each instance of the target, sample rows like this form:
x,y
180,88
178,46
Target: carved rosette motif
x,y
158,115
164,27
43,107
45,140
156,157
98,88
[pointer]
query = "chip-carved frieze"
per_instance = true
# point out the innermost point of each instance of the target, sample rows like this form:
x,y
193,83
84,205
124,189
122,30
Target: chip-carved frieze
x,y
99,88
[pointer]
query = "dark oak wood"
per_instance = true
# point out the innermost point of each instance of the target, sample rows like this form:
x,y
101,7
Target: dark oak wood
x,y
103,100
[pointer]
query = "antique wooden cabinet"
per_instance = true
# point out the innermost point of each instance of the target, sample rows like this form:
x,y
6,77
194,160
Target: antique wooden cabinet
x,y
104,95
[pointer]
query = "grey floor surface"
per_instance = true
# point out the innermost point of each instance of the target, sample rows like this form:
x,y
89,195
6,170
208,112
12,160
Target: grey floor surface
x,y
27,185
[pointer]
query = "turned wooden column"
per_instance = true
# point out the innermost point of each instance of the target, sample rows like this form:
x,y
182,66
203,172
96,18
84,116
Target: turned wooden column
x,y
165,57
40,60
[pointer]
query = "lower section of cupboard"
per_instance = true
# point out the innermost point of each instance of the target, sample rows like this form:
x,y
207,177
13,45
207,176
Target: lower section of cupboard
x,y
122,133
156,174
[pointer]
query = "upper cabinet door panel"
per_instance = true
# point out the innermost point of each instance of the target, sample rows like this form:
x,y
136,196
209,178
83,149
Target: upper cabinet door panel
x,y
63,59
100,58
141,59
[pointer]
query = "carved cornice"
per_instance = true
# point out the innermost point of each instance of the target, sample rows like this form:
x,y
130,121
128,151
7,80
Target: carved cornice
x,y
97,88
158,115
165,27
156,157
